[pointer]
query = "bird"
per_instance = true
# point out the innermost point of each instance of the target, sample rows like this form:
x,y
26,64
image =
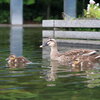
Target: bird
x,y
20,61
67,57
86,61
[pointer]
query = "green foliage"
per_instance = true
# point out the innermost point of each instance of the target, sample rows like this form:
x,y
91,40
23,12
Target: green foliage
x,y
5,17
92,11
4,1
4,13
29,2
33,10
38,19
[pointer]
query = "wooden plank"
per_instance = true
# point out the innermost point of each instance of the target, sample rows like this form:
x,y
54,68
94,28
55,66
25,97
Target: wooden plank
x,y
46,33
72,34
78,23
72,23
48,23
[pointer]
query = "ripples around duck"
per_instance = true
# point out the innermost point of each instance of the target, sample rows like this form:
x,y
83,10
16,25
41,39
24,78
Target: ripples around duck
x,y
44,79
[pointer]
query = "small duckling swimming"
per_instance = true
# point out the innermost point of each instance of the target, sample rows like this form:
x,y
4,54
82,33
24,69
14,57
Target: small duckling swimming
x,y
85,60
14,61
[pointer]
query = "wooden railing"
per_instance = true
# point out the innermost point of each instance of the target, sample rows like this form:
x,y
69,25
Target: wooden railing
x,y
61,29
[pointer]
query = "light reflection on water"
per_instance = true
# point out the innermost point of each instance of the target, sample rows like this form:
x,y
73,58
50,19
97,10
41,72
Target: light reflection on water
x,y
16,40
44,79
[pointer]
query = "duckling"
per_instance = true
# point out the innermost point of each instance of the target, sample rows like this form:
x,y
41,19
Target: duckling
x,y
17,61
86,61
68,56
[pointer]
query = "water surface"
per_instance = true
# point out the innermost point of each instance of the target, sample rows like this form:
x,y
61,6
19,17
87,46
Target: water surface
x,y
42,80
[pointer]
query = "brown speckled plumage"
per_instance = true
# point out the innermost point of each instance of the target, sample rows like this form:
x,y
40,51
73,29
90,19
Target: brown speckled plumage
x,y
70,56
14,61
85,60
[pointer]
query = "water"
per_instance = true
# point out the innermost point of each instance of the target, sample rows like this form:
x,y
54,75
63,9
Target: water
x,y
42,80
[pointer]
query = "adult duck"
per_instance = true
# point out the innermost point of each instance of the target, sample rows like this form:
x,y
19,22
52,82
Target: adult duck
x,y
68,56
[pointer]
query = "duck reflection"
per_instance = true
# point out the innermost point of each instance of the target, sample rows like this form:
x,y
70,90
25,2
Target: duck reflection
x,y
57,68
52,73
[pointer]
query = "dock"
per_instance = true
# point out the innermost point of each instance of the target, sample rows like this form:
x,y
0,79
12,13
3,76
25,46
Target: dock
x,y
75,29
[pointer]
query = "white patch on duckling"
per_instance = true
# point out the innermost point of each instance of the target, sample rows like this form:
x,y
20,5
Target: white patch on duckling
x,y
23,59
15,60
9,61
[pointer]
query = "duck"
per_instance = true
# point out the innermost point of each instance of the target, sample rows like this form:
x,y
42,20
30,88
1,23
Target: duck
x,y
14,61
66,57
85,60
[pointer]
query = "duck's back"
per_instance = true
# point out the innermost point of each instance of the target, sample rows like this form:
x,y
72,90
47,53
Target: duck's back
x,y
79,52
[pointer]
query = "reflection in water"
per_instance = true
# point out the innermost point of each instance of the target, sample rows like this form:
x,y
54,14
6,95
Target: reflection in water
x,y
32,82
90,77
16,40
52,73
56,68
20,65
57,71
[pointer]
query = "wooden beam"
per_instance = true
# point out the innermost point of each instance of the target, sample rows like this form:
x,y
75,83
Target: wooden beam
x,y
72,34
72,23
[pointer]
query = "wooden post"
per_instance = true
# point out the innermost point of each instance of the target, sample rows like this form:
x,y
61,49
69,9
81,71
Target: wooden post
x,y
70,7
16,11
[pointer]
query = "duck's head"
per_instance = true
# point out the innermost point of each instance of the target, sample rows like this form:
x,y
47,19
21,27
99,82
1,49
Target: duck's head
x,y
76,62
11,57
50,42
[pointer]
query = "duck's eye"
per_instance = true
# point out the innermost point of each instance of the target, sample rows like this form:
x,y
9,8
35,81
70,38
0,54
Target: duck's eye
x,y
50,40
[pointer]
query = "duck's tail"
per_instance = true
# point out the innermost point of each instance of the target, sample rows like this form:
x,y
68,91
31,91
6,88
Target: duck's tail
x,y
97,57
90,53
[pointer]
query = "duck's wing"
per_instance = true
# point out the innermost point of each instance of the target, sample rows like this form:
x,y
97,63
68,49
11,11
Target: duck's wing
x,y
97,57
24,60
80,52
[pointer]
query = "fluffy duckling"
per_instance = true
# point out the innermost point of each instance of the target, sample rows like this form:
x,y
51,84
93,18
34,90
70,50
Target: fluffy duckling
x,y
68,56
17,61
86,61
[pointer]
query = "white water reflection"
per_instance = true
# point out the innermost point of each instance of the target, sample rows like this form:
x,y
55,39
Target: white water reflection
x,y
16,40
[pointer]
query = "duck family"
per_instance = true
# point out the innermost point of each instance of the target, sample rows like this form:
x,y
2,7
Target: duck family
x,y
14,61
71,57
74,58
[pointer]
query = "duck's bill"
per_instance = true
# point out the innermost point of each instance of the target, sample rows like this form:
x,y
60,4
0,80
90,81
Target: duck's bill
x,y
41,46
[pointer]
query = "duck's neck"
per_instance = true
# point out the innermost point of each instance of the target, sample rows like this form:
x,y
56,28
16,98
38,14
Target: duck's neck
x,y
54,53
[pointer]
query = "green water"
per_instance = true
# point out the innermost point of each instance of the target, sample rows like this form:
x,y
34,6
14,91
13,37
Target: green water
x,y
43,80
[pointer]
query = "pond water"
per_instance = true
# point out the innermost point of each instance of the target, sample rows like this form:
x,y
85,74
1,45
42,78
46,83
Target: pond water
x,y
42,80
